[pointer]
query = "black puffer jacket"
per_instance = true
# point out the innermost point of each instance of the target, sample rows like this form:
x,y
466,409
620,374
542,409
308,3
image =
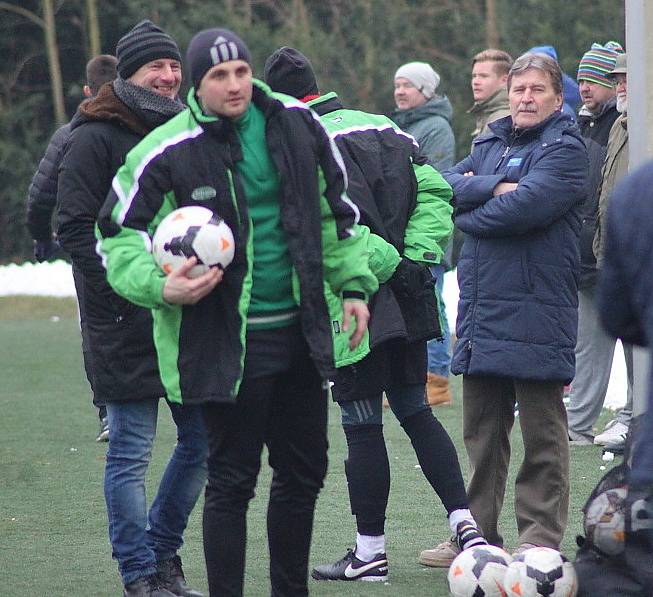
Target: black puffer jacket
x,y
42,192
595,130
119,333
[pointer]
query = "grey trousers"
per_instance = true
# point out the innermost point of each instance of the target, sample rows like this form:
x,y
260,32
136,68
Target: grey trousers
x,y
594,354
542,484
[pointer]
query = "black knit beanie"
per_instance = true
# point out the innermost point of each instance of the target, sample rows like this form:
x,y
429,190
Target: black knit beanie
x,y
144,43
288,71
211,47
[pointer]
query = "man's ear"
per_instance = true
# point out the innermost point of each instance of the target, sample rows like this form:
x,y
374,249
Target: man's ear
x,y
87,91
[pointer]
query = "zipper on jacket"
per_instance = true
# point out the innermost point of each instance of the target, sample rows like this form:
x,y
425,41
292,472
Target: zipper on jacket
x,y
232,191
503,155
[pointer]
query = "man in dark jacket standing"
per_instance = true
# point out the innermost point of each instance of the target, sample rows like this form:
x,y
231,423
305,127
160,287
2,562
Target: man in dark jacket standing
x,y
42,200
42,192
242,346
517,198
405,205
594,348
124,363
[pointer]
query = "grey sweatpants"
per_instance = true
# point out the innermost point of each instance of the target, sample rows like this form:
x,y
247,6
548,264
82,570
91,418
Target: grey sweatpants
x,y
594,354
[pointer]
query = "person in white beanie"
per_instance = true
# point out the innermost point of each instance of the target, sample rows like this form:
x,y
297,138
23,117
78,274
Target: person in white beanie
x,y
427,117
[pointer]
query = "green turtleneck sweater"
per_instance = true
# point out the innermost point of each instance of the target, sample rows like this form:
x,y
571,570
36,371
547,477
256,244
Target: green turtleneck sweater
x,y
272,304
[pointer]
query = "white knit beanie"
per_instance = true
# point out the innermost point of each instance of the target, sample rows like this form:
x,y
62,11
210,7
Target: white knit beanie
x,y
421,75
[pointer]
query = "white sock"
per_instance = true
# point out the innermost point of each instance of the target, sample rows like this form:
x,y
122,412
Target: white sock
x,y
367,546
457,516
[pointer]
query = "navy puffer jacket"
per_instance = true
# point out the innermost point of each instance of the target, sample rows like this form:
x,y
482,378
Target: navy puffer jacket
x,y
519,265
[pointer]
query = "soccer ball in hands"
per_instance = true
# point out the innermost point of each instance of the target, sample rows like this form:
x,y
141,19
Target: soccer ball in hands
x,y
605,522
540,571
193,231
478,572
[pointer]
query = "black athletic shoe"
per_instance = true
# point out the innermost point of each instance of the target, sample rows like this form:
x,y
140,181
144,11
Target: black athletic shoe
x,y
468,535
172,578
146,586
351,568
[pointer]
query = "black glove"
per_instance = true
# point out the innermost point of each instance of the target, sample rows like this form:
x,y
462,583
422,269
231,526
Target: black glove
x,y
44,250
414,288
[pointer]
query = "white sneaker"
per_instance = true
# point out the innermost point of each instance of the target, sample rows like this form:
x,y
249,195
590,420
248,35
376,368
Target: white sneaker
x,y
614,434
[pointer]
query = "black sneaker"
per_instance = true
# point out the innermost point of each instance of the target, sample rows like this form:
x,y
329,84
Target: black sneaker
x,y
351,568
103,436
146,586
468,535
173,579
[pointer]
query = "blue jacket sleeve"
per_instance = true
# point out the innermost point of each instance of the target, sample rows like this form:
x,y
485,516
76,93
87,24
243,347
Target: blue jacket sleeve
x,y
470,191
555,182
616,292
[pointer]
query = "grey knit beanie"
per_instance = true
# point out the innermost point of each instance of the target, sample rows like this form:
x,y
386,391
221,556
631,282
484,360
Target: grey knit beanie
x,y
144,43
421,75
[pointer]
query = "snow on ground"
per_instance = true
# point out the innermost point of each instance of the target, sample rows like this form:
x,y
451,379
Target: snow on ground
x,y
55,279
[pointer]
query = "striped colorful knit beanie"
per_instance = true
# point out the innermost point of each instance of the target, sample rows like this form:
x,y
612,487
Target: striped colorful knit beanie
x,y
598,62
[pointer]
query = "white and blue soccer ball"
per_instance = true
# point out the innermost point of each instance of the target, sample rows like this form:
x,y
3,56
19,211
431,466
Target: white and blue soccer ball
x,y
193,231
540,572
478,572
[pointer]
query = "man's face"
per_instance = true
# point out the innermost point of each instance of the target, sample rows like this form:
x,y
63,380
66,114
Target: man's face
x,y
594,95
485,80
226,89
532,98
621,87
407,95
163,76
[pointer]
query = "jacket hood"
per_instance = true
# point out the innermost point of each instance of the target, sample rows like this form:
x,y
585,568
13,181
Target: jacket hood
x,y
548,50
437,106
108,107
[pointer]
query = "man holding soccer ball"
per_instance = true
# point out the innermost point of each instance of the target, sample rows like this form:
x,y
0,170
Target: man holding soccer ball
x,y
237,341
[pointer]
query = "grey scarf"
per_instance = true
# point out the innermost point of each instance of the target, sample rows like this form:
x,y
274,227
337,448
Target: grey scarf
x,y
153,109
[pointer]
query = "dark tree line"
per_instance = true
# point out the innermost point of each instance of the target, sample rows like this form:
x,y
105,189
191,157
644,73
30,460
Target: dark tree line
x,y
355,47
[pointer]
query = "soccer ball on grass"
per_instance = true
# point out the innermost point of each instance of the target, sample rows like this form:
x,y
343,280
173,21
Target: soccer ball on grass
x,y
478,572
540,571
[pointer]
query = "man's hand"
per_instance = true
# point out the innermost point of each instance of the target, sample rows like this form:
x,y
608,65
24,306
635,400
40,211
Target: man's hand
x,y
357,309
470,173
179,289
504,187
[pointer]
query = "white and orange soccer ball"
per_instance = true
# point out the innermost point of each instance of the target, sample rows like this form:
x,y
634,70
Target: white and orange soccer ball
x,y
479,571
540,571
605,521
193,231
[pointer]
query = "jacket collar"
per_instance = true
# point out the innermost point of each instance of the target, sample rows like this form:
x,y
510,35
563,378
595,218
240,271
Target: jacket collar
x,y
556,124
329,102
497,101
108,107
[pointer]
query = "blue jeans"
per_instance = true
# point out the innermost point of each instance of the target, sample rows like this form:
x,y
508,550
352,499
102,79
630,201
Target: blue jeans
x,y
140,539
439,351
405,400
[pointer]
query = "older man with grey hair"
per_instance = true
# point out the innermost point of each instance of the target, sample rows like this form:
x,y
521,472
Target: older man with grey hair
x,y
518,197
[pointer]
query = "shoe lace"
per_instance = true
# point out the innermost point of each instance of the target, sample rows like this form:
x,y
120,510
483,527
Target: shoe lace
x,y
349,557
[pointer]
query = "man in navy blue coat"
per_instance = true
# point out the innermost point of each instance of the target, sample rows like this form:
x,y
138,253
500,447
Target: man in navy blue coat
x,y
517,199
624,304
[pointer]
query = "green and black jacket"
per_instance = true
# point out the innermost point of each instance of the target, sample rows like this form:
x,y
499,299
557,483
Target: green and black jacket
x,y
191,161
405,211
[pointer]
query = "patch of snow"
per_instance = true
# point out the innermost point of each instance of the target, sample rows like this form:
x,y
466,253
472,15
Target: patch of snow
x,y
56,279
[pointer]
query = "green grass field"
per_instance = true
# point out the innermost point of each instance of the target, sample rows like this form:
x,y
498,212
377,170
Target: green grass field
x,y
53,538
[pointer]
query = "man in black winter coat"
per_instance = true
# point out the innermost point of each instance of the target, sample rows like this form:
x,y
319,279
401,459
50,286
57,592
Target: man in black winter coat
x,y
594,348
125,369
42,200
